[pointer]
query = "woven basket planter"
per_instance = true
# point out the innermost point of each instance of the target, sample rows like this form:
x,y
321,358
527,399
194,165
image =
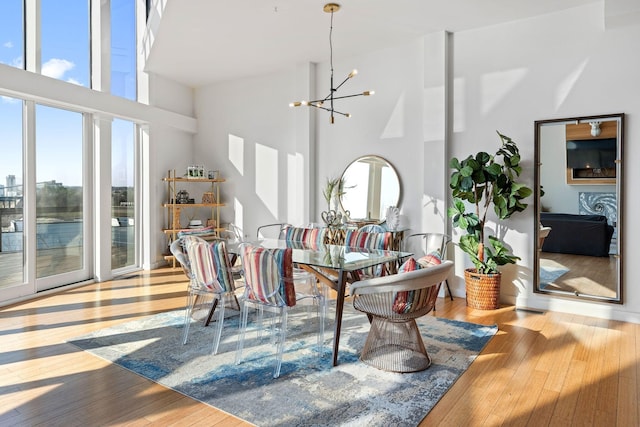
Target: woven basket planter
x,y
483,290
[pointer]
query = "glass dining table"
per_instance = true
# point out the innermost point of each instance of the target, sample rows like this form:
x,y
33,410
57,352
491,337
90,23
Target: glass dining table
x,y
334,265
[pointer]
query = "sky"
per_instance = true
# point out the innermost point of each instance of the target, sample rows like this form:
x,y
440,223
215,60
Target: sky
x,y
64,55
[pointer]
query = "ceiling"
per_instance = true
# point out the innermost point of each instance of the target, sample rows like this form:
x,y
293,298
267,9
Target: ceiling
x,y
199,42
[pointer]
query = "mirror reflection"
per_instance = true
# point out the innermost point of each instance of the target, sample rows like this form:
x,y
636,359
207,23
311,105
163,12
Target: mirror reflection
x,y
578,186
371,185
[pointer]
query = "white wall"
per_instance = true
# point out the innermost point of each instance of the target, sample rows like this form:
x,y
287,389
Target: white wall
x,y
504,78
559,65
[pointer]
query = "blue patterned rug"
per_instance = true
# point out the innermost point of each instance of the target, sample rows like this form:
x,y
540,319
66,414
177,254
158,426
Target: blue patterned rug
x,y
309,391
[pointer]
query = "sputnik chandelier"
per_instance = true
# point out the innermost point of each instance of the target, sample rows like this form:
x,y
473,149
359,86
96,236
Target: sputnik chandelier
x,y
319,103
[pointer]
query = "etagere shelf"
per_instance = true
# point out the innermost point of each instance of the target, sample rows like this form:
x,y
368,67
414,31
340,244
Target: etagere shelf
x,y
175,209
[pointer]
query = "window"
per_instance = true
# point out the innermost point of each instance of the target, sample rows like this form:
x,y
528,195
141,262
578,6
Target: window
x,y
123,48
11,194
12,33
65,40
123,236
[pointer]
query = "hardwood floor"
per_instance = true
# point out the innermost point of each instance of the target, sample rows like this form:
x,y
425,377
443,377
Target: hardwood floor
x,y
540,369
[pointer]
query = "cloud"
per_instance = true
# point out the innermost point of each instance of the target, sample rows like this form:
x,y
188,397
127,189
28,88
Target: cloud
x,y
8,45
56,67
7,100
74,81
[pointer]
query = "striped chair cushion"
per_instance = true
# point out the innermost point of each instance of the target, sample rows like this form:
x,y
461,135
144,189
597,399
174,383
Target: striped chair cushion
x,y
369,240
312,238
268,275
202,263
363,239
222,265
409,301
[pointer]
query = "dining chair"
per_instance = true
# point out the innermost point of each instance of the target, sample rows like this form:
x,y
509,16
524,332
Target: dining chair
x,y
369,240
271,231
269,285
211,276
393,303
422,244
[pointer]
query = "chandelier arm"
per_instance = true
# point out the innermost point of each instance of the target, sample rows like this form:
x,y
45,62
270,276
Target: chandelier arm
x,y
343,82
349,96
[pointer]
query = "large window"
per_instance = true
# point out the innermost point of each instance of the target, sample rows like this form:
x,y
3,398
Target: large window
x,y
65,40
12,33
123,236
11,195
123,48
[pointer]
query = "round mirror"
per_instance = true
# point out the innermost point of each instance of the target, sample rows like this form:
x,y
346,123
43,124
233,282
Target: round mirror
x,y
371,185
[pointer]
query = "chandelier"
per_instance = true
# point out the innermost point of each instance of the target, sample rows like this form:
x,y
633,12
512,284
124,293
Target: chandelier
x,y
320,103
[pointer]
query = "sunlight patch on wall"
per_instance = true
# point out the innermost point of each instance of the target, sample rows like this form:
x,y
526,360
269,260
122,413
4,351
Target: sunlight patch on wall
x,y
295,185
459,103
267,177
395,124
495,87
564,88
238,215
236,152
434,119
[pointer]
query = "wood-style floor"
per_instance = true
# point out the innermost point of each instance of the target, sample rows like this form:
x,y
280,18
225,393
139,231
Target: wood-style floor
x,y
545,369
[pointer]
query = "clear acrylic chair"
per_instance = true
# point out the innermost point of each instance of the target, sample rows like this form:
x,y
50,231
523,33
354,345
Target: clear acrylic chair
x,y
393,303
271,231
421,244
269,286
211,276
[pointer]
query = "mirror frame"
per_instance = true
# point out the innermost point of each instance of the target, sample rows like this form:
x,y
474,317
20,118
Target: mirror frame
x,y
619,118
372,220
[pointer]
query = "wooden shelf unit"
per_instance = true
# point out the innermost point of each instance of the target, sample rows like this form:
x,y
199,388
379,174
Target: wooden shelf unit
x,y
174,209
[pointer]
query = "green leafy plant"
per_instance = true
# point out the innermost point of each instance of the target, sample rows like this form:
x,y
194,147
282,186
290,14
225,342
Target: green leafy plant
x,y
486,180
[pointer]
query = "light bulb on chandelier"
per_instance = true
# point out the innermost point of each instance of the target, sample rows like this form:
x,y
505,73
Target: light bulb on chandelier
x,y
319,103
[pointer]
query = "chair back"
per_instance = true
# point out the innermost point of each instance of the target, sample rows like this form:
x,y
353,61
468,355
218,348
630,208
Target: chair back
x,y
312,238
373,228
413,292
271,231
368,240
268,275
425,243
209,264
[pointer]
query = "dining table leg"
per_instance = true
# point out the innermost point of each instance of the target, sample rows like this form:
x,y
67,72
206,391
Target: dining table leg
x,y
339,308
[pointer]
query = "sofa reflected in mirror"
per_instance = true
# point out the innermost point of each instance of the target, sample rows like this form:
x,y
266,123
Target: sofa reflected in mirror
x,y
578,200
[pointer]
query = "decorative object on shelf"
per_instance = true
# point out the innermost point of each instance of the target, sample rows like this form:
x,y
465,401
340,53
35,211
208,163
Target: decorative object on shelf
x,y
208,198
393,218
212,174
319,103
195,172
195,223
485,180
182,197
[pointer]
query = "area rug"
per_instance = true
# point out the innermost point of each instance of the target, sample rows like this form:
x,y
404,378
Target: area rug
x,y
309,391
550,271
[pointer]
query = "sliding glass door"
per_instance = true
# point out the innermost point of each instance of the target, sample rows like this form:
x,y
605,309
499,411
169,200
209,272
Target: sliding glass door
x,y
61,227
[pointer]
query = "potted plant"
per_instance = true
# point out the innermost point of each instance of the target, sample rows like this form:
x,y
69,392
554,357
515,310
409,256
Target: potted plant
x,y
486,181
